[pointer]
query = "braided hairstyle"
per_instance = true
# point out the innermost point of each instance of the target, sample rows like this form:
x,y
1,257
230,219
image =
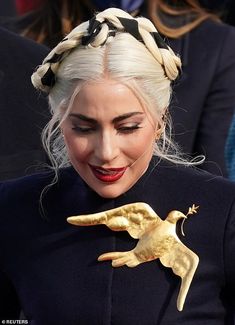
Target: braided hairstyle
x,y
112,44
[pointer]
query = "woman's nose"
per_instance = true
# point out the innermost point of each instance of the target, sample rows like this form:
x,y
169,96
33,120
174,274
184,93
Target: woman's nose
x,y
107,148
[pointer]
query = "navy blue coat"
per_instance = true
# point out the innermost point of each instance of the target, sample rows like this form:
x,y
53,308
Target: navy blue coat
x,y
23,111
204,97
53,267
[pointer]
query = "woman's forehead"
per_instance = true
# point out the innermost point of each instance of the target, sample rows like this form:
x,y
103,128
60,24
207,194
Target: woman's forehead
x,y
109,94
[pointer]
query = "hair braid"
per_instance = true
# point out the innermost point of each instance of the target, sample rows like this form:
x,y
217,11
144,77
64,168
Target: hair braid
x,y
148,35
97,32
44,77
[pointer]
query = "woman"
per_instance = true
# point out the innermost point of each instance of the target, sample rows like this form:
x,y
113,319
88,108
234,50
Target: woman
x,y
203,98
109,85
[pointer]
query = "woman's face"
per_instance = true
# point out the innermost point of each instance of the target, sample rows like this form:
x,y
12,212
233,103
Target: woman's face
x,y
109,137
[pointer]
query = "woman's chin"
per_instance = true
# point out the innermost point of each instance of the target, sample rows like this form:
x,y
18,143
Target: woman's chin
x,y
111,190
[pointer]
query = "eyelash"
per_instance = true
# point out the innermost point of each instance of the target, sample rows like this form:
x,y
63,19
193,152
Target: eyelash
x,y
82,130
124,129
128,129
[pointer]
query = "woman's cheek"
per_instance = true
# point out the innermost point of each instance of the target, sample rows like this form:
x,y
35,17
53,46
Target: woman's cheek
x,y
78,148
137,145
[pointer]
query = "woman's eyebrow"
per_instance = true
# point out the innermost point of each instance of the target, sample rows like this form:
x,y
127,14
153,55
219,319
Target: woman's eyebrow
x,y
115,120
125,116
83,118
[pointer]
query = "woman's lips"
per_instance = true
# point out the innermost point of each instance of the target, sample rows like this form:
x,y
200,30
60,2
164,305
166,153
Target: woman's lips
x,y
107,175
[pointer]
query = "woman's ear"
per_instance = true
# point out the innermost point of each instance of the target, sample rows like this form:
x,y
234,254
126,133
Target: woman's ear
x,y
159,131
161,124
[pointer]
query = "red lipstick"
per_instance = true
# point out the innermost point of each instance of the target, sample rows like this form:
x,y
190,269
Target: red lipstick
x,y
107,175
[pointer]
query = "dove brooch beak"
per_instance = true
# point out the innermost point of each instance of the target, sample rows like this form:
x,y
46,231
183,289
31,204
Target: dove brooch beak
x,y
157,239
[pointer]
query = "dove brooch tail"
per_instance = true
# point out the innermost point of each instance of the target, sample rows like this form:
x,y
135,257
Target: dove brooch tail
x,y
157,239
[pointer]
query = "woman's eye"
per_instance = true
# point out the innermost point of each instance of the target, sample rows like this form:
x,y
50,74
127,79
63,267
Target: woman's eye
x,y
83,129
128,128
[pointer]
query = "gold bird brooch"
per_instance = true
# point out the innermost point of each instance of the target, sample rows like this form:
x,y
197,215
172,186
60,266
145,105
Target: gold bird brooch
x,y
157,239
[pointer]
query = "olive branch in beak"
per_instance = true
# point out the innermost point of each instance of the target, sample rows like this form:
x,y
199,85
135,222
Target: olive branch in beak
x,y
191,210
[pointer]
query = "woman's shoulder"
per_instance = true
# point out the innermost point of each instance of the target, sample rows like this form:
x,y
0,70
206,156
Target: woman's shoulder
x,y
194,179
27,182
192,172
32,185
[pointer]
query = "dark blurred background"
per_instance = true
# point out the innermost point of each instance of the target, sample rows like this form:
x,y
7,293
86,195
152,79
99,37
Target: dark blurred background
x,y
226,8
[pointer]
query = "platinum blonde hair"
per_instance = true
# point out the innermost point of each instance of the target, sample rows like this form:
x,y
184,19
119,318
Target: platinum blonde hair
x,y
113,44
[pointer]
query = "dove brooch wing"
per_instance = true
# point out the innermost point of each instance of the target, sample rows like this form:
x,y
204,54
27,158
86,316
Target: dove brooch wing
x,y
184,263
136,218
